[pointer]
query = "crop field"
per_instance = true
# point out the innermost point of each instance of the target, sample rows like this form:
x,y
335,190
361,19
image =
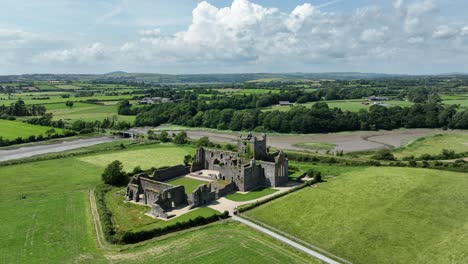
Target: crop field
x,y
92,113
189,184
434,145
379,215
14,129
255,194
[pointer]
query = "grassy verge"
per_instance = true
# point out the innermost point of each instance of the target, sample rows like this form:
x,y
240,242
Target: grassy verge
x,y
252,195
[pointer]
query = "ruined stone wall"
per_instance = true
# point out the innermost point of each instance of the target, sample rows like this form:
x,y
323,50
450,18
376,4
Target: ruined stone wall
x,y
225,190
172,197
201,196
170,173
252,177
269,170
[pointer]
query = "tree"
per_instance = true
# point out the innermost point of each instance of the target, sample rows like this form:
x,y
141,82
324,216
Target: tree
x,y
50,132
181,138
204,142
187,160
383,154
164,137
69,104
114,174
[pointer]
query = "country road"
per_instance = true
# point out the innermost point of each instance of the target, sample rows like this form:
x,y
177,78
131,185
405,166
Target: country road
x,y
34,150
285,240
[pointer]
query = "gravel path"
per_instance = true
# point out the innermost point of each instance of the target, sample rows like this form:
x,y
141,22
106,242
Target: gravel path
x,y
34,150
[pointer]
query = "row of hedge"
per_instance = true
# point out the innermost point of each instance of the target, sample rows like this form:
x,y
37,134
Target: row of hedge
x,y
105,215
264,201
19,140
130,237
303,157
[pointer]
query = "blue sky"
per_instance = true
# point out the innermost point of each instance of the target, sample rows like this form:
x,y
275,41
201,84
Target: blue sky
x,y
189,36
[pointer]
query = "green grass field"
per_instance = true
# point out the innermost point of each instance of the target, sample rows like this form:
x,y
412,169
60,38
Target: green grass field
x,y
44,218
146,156
15,129
434,145
129,216
252,195
353,105
189,184
216,243
91,113
379,215
56,106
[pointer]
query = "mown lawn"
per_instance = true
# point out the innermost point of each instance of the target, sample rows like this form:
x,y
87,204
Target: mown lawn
x,y
380,215
14,129
189,184
434,145
252,195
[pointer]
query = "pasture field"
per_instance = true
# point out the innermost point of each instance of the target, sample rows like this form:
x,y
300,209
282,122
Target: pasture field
x,y
227,242
68,87
251,195
56,106
434,145
352,105
327,170
189,183
247,91
379,215
146,157
58,99
89,114
44,218
14,129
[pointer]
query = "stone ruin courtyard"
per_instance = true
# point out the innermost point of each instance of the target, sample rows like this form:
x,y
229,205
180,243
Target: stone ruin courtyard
x,y
174,191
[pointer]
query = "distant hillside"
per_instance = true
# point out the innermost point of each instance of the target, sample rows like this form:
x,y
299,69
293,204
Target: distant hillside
x,y
120,76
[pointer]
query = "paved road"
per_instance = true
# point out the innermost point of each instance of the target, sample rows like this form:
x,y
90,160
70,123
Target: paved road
x,y
34,150
279,237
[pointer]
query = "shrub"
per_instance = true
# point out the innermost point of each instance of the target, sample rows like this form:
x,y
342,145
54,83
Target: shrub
x,y
383,154
114,174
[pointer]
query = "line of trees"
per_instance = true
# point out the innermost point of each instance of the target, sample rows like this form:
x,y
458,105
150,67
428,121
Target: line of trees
x,y
299,119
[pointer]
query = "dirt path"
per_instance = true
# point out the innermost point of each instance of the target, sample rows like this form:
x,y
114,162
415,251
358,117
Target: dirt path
x,y
100,239
40,148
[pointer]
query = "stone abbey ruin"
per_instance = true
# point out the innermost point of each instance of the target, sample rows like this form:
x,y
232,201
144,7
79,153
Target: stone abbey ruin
x,y
252,166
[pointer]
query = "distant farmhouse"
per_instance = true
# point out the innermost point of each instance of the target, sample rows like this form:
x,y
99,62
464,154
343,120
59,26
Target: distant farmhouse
x,y
252,166
377,98
154,100
285,103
